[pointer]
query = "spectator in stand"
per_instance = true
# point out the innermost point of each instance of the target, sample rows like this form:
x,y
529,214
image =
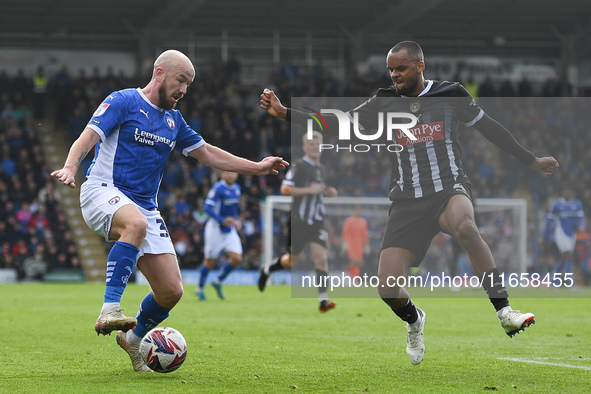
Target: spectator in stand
x,y
6,258
35,266
51,252
39,222
8,165
182,206
507,89
524,88
7,112
472,86
21,88
61,90
5,82
24,215
77,120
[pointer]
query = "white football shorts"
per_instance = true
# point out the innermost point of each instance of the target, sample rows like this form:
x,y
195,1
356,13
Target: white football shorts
x,y
99,203
216,241
564,242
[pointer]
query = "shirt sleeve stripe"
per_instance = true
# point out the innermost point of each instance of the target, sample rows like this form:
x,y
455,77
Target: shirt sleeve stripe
x,y
191,148
98,131
476,119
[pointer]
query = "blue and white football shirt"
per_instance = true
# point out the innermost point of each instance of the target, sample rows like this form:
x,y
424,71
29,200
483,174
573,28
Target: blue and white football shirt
x,y
567,215
137,138
222,201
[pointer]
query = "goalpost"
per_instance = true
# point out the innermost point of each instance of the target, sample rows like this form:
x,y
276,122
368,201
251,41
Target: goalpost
x,y
501,221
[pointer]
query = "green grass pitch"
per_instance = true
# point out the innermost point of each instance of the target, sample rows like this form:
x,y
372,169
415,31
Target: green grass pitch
x,y
270,342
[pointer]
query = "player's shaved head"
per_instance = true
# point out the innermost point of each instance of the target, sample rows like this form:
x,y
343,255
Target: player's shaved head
x,y
172,59
414,50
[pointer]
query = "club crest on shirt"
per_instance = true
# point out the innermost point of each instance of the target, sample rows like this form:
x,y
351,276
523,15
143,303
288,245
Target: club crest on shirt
x,y
414,107
170,122
101,109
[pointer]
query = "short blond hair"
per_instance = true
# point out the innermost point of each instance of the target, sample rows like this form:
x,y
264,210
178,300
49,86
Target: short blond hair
x,y
316,135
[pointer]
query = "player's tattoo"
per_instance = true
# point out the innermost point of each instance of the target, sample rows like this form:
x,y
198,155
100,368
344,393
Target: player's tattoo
x,y
79,160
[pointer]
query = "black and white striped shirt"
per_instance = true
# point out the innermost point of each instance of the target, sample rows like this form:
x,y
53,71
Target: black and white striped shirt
x,y
308,208
432,162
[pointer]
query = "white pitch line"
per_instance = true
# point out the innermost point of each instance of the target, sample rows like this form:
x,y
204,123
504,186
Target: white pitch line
x,y
521,360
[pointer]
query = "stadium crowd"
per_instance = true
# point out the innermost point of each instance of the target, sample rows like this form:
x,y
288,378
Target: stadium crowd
x,y
34,234
33,226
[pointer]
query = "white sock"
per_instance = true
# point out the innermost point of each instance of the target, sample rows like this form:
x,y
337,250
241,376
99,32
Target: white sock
x,y
500,311
131,338
109,307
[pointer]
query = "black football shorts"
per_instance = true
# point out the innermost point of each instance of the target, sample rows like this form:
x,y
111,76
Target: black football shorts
x,y
302,234
414,222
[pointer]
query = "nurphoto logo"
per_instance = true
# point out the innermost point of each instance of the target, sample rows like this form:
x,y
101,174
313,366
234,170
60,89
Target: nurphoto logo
x,y
400,133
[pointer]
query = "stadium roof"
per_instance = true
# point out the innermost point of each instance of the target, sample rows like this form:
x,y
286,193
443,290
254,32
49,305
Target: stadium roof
x,y
537,28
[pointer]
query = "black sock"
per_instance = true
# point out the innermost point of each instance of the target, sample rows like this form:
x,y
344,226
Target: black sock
x,y
276,266
493,285
408,313
322,279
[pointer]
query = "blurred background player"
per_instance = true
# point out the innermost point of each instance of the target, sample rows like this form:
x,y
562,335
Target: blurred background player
x,y
549,253
566,217
221,231
305,181
354,235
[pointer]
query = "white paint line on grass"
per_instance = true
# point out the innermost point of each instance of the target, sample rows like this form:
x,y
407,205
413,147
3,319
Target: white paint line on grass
x,y
522,360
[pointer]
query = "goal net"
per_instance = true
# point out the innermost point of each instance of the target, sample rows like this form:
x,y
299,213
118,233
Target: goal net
x,y
501,221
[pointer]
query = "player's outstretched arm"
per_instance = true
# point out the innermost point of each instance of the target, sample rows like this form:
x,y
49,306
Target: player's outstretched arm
x,y
78,151
217,158
271,104
546,165
502,138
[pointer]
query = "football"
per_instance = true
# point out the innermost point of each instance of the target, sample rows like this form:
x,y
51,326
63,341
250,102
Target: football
x,y
163,349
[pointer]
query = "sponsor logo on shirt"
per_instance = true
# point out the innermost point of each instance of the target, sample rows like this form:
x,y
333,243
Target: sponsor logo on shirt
x,y
144,137
114,200
423,133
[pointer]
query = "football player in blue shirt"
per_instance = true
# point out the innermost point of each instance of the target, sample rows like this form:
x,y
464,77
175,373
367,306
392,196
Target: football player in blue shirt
x,y
565,219
221,231
133,133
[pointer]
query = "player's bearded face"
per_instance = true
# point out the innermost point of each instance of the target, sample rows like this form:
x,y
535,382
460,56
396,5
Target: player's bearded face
x,y
166,100
407,84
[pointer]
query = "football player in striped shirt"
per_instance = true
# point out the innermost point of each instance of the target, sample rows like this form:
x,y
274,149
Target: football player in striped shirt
x,y
305,182
429,190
